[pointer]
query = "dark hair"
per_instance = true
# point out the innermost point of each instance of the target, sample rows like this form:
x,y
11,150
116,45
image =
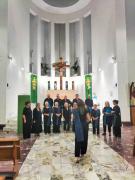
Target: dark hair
x,y
81,106
27,102
116,101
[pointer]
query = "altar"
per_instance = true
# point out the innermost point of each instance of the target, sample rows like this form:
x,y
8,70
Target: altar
x,y
69,93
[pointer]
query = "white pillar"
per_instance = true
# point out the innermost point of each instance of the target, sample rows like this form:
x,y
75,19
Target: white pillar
x,y
38,46
3,57
122,61
52,48
81,48
67,50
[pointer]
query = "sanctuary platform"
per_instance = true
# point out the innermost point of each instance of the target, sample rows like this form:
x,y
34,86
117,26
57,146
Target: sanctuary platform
x,y
69,93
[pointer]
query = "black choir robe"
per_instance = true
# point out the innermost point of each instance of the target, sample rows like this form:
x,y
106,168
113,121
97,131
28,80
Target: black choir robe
x,y
56,119
117,121
47,120
27,112
67,118
37,121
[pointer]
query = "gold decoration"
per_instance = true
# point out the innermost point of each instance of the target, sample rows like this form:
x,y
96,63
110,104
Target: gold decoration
x,y
34,83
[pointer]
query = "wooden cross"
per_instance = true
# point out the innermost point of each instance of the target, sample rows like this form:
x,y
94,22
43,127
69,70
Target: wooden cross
x,y
60,66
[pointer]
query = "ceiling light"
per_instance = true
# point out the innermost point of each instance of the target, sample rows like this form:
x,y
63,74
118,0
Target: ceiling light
x,y
22,68
113,60
100,70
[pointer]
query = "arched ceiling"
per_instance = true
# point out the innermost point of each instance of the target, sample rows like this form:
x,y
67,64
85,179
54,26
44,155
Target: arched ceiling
x,y
61,3
65,7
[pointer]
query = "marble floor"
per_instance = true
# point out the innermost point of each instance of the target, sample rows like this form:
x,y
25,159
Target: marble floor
x,y
125,146
52,158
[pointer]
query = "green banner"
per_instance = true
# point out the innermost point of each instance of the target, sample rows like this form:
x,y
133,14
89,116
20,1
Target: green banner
x,y
34,84
88,86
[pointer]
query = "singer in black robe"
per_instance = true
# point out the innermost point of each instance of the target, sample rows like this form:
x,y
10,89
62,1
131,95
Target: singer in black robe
x,y
56,119
67,118
47,120
27,120
37,120
116,119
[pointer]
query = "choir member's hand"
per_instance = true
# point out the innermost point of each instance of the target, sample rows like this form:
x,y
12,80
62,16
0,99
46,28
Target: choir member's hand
x,y
24,119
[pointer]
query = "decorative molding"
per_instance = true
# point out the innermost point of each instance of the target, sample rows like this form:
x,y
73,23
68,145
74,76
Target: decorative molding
x,y
33,12
65,10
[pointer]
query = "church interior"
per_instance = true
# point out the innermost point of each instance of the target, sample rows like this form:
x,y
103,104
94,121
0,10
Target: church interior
x,y
71,51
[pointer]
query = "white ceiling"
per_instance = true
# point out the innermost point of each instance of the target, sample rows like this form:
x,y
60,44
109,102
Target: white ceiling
x,y
77,5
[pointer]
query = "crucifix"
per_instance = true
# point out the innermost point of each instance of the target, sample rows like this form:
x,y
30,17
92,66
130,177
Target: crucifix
x,y
60,66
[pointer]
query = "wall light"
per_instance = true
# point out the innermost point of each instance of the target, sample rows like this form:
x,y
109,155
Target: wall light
x,y
22,68
100,70
113,60
10,58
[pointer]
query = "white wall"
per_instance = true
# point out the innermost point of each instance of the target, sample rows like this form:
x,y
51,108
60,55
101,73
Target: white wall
x,y
122,60
33,41
18,41
130,29
3,56
109,40
87,44
103,48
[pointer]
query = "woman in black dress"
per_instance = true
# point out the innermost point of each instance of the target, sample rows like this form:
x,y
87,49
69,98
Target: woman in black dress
x,y
27,120
47,118
67,117
37,120
116,119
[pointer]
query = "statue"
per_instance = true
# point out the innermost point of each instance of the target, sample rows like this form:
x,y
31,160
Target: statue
x,y
45,69
76,67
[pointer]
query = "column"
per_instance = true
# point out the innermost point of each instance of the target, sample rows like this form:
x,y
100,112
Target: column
x,y
81,48
67,50
52,49
38,46
3,57
122,61
34,24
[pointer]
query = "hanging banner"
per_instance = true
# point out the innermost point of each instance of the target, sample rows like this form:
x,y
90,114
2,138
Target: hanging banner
x,y
88,86
33,88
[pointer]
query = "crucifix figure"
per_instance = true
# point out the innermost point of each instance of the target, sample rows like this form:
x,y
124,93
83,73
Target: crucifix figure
x,y
60,66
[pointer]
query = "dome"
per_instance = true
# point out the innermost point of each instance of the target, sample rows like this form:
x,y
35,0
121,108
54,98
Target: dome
x,y
61,3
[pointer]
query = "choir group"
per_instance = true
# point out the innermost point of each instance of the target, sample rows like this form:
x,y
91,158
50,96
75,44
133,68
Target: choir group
x,y
76,114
